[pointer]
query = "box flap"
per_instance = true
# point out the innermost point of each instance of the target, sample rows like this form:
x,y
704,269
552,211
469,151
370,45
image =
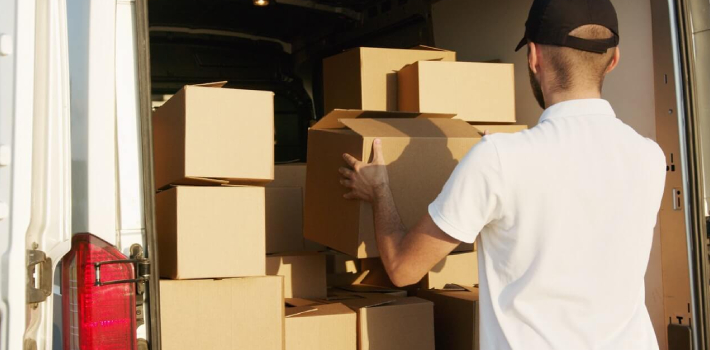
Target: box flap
x,y
294,302
444,128
345,278
457,288
428,48
291,311
359,301
333,119
366,288
196,181
217,84
453,288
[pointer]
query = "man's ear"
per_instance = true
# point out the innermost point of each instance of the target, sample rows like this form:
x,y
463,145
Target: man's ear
x,y
614,60
533,59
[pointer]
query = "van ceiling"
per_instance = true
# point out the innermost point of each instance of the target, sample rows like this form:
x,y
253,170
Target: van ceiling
x,y
284,20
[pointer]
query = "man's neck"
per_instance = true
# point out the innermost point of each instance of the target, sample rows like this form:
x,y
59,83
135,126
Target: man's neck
x,y
561,96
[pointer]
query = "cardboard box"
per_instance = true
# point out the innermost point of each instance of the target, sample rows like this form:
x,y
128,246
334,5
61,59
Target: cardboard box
x,y
366,78
289,175
420,153
304,274
284,220
410,141
457,268
234,313
209,135
456,319
210,232
316,326
391,323
369,289
284,211
337,262
475,92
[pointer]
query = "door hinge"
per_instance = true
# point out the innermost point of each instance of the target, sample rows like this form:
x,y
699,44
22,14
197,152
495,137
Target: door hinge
x,y
39,276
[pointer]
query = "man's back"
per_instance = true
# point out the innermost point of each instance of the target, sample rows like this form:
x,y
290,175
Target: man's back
x,y
564,252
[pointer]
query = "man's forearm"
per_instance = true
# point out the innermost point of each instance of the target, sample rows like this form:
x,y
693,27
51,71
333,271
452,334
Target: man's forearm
x,y
389,229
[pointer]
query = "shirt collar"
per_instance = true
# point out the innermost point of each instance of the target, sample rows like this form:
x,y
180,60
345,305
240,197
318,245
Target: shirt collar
x,y
583,107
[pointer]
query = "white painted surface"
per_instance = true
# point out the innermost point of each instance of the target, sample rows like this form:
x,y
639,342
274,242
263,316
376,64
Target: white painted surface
x,y
16,64
128,143
92,41
49,227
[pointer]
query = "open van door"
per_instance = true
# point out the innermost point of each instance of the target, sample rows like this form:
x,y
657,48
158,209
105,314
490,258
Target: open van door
x,y
690,27
34,166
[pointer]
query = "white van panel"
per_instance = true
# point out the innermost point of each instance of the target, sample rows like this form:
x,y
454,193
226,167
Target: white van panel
x,y
92,40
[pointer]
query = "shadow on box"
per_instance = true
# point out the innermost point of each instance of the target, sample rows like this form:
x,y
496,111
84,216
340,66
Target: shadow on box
x,y
408,173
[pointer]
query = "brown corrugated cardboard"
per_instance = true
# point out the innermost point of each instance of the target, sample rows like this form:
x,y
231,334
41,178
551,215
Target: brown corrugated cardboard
x,y
366,78
284,211
304,274
465,247
316,326
234,313
457,268
420,153
284,219
210,232
391,323
210,135
475,92
455,317
345,278
369,289
289,175
337,262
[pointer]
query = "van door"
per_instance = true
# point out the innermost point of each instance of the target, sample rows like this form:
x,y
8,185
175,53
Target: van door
x,y
16,64
34,166
691,28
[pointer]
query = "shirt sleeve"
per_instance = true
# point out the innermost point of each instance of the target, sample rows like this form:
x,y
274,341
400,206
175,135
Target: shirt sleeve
x,y
471,198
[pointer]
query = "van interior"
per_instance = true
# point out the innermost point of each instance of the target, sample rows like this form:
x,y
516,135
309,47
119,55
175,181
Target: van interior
x,y
279,45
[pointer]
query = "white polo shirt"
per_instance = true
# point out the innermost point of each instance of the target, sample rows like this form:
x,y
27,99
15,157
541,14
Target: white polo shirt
x,y
566,212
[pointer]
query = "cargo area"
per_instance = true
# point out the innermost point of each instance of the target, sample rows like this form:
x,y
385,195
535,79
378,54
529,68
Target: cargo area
x,y
247,180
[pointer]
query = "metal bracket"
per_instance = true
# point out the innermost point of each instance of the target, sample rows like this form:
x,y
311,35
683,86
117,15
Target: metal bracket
x,y
141,267
39,276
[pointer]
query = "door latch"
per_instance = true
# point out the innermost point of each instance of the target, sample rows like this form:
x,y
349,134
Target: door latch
x,y
39,276
141,267
677,200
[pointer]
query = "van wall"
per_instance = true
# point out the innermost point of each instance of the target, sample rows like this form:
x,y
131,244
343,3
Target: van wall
x,y
488,30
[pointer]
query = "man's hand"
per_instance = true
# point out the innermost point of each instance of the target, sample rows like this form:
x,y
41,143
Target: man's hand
x,y
365,181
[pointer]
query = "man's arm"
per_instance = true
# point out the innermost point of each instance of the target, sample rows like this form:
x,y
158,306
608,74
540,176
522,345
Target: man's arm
x,y
407,256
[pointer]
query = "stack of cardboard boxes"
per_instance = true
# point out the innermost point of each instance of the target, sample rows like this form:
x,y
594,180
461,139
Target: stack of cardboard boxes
x,y
428,110
210,220
244,246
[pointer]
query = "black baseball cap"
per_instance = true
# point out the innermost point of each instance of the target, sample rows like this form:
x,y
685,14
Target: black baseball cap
x,y
550,21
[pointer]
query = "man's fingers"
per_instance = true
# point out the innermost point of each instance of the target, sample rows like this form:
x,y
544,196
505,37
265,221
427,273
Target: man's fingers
x,y
378,157
352,162
350,195
486,133
345,172
347,183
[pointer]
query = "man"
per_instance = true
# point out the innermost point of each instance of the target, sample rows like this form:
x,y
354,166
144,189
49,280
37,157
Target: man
x,y
565,210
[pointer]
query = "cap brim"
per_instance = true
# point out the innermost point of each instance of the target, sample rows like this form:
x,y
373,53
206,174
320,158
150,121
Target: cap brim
x,y
522,43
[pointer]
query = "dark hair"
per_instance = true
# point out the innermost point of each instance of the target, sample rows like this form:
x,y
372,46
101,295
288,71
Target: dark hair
x,y
576,67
